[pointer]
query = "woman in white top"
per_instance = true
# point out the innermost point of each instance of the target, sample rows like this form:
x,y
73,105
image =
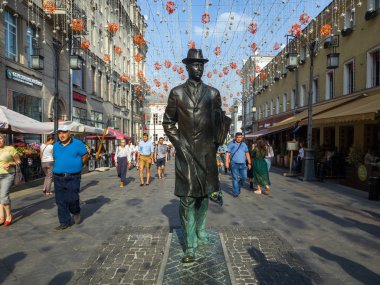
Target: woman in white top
x,y
47,162
122,154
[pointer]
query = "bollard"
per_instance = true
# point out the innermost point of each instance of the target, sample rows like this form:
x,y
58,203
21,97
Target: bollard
x,y
373,188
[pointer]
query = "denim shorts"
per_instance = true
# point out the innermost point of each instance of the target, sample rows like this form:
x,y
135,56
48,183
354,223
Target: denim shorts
x,y
6,181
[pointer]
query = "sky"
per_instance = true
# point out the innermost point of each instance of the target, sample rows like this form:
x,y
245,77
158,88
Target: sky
x,y
167,36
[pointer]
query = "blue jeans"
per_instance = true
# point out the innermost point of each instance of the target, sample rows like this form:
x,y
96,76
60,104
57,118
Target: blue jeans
x,y
6,181
269,163
67,197
239,175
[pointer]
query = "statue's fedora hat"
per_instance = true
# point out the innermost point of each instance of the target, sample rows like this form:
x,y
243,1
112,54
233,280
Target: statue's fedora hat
x,y
194,55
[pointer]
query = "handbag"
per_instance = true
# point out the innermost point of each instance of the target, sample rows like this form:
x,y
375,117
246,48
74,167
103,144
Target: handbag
x,y
19,177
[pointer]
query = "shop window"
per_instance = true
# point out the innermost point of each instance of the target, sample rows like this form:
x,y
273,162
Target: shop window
x,y
97,119
31,44
329,85
27,105
373,68
79,115
284,102
348,78
315,91
303,96
10,36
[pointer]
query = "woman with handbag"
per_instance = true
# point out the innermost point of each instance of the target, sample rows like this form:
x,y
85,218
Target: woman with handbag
x,y
9,159
47,162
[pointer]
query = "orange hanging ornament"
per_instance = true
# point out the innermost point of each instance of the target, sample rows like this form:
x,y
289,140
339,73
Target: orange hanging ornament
x,y
118,50
326,30
296,30
106,57
124,77
139,40
85,44
170,6
113,27
217,51
206,18
77,24
191,44
263,76
48,6
138,57
167,63
233,65
252,28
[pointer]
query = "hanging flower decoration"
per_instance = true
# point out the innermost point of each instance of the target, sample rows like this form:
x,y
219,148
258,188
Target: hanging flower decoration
x,y
157,82
118,50
166,86
191,44
238,94
258,69
326,30
276,46
170,6
180,70
138,89
237,71
209,74
106,57
217,51
140,74
215,71
138,57
85,44
124,77
304,18
77,24
113,27
206,18
224,98
220,74
253,47
225,70
251,78
183,77
144,79
48,6
252,28
296,30
263,76
157,66
139,40
174,68
167,63
242,81
233,65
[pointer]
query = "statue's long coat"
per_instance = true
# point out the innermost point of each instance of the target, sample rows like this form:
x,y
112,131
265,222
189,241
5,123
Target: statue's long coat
x,y
195,138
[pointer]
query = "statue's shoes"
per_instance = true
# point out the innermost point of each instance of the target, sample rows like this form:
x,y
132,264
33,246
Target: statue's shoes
x,y
188,259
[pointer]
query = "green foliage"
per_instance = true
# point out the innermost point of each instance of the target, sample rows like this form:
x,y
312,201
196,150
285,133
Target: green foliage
x,y
355,155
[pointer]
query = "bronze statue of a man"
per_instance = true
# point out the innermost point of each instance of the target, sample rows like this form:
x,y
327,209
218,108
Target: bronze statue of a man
x,y
202,126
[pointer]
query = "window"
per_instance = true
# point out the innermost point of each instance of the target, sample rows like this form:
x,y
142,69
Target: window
x,y
79,115
155,119
271,107
348,78
31,44
293,99
303,52
78,77
97,119
278,105
10,36
266,110
94,78
27,105
373,5
284,102
329,85
117,123
349,21
315,91
108,88
303,96
373,68
260,113
100,84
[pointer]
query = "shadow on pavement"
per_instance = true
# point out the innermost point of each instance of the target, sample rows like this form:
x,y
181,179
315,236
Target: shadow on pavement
x,y
348,222
171,212
9,263
61,278
373,214
356,270
266,271
29,210
90,184
91,206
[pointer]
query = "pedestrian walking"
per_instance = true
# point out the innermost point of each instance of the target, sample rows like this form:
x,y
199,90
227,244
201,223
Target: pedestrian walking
x,y
136,155
122,153
130,154
300,157
222,154
145,158
47,162
70,155
9,159
269,156
236,159
250,171
161,157
260,167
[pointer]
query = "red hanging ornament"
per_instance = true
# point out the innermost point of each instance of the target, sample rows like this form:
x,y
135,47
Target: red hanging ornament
x,y
124,77
138,89
238,94
209,74
139,40
157,66
276,46
233,65
140,74
113,27
263,76
215,71
166,86
167,63
48,6
180,70
138,57
251,78
170,7
85,44
237,71
253,47
220,74
191,44
326,30
304,18
296,30
183,77
106,57
206,18
77,24
118,50
225,70
217,51
257,69
252,28
174,68
242,81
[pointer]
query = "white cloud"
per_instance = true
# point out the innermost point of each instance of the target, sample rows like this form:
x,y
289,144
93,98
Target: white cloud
x,y
227,23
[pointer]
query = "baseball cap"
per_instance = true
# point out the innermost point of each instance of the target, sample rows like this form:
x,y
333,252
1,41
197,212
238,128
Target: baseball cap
x,y
64,128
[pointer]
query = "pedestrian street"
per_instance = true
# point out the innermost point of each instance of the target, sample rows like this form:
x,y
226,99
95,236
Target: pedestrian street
x,y
303,233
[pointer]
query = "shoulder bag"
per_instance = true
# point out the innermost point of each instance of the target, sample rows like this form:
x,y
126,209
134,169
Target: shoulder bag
x,y
19,178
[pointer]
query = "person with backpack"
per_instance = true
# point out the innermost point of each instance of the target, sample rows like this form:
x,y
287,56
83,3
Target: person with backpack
x,y
236,159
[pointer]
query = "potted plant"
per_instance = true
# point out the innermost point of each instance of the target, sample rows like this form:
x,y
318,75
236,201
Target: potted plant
x,y
354,161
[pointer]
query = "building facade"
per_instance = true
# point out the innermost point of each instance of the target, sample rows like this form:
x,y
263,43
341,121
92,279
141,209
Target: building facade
x,y
96,94
154,116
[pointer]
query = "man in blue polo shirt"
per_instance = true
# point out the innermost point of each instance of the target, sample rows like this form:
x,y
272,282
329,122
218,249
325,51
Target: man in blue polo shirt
x,y
69,157
236,158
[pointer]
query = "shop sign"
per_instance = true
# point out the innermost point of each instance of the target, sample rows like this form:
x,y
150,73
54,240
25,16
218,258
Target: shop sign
x,y
79,97
362,172
22,78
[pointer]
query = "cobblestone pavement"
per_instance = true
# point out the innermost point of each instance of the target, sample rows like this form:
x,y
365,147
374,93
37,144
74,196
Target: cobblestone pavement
x,y
132,256
210,267
263,257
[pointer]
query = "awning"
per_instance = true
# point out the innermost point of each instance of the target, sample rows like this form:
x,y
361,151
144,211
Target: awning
x,y
76,127
362,109
117,134
268,131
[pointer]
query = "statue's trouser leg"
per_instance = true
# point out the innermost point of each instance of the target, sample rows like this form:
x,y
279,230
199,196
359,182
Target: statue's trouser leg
x,y
201,207
187,217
